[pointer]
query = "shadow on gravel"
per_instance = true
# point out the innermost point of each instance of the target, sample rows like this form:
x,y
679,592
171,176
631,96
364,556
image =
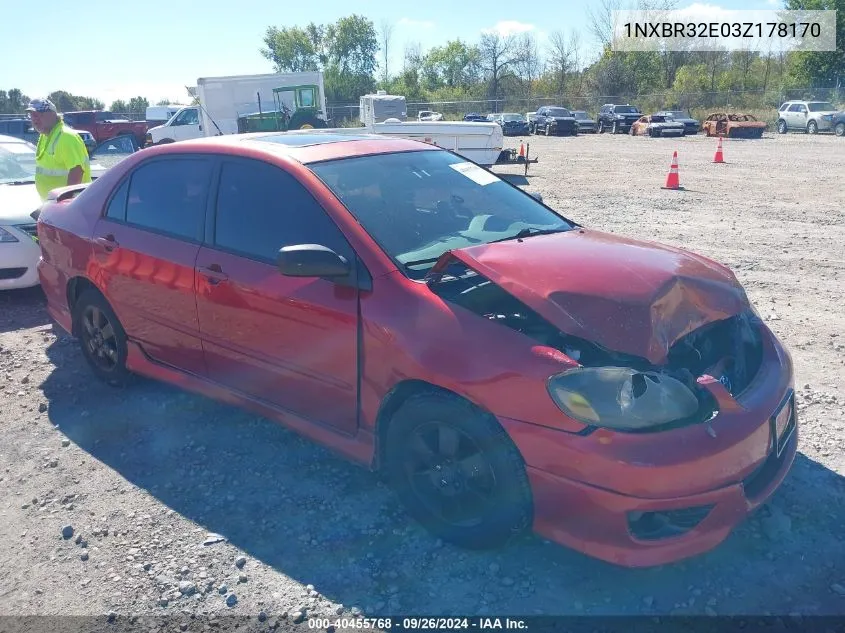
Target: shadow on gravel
x,y
21,309
322,521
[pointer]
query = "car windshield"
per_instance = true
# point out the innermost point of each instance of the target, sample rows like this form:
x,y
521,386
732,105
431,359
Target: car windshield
x,y
580,115
17,163
820,107
511,116
657,118
559,112
418,205
676,114
626,110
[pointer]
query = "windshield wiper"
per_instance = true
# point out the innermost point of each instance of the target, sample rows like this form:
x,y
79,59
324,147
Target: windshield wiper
x,y
417,262
19,182
528,232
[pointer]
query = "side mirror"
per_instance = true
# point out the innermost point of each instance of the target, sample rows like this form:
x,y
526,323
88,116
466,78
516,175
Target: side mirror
x,y
311,260
537,196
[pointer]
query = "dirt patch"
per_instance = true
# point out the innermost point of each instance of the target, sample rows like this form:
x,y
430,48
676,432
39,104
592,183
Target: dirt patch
x,y
143,501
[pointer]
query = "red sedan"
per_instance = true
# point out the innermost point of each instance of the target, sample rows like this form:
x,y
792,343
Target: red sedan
x,y
505,367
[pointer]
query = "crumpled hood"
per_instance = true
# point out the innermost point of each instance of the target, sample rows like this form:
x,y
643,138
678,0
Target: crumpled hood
x,y
629,296
17,202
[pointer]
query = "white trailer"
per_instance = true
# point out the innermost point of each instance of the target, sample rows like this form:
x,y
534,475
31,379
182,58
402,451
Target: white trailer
x,y
224,99
381,106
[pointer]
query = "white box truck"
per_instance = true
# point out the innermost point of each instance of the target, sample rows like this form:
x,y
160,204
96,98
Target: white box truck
x,y
228,105
246,103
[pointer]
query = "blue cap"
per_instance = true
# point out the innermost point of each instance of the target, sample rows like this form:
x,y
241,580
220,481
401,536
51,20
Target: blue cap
x,y
41,105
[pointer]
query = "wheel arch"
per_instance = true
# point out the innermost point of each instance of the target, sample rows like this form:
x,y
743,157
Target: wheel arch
x,y
399,395
75,287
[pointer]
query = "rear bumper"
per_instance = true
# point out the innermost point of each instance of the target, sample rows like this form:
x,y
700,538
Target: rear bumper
x,y
54,285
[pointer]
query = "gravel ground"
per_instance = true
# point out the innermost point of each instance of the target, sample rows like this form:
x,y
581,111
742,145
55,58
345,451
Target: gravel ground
x,y
152,501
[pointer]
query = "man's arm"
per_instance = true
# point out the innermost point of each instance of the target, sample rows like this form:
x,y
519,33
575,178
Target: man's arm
x,y
75,156
75,176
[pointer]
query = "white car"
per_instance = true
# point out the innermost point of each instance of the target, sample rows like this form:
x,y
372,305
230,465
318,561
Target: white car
x,y
429,115
19,251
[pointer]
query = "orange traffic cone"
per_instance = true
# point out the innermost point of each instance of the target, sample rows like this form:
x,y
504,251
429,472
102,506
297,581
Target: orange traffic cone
x,y
521,150
719,158
672,180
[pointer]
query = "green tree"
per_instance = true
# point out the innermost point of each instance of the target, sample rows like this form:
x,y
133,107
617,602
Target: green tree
x,y
138,106
119,106
291,49
13,101
820,68
164,102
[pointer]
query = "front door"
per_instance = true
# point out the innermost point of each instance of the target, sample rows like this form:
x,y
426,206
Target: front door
x,y
146,246
291,342
187,125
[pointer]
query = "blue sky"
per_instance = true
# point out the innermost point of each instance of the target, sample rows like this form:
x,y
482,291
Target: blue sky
x,y
111,50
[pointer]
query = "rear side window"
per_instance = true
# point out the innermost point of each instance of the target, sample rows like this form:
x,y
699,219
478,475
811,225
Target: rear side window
x,y
169,196
261,208
117,206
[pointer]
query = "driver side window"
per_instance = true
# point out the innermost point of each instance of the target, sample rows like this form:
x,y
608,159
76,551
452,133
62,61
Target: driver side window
x,y
261,208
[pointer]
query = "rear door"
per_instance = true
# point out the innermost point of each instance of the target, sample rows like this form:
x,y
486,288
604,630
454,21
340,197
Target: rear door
x,y
291,342
146,247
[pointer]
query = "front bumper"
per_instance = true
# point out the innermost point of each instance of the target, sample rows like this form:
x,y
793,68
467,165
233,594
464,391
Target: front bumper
x,y
19,261
603,493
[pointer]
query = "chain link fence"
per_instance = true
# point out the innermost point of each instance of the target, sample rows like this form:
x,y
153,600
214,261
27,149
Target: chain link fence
x,y
761,103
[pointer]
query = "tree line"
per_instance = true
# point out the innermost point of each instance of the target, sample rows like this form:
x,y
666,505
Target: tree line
x,y
354,56
15,102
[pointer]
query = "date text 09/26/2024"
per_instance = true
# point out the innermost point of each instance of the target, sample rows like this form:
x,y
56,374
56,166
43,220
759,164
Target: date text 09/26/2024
x,y
418,623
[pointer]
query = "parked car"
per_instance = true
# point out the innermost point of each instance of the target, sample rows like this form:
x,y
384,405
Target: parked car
x,y
512,123
691,126
105,125
475,116
535,364
429,115
617,118
585,123
733,125
20,127
19,252
553,120
657,125
838,123
808,116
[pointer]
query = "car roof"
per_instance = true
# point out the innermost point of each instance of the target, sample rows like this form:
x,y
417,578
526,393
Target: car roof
x,y
13,139
303,146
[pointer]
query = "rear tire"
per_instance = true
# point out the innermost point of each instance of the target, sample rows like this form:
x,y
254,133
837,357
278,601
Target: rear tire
x,y
102,338
812,127
457,472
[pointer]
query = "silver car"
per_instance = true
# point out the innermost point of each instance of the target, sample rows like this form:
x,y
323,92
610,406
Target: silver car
x,y
808,116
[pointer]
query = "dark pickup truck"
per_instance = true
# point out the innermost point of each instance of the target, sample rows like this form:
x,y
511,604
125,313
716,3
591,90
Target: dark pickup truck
x,y
618,118
105,125
553,120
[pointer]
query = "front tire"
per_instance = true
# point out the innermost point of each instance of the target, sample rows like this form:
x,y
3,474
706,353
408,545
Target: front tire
x,y
457,472
102,338
782,127
812,127
615,128
839,130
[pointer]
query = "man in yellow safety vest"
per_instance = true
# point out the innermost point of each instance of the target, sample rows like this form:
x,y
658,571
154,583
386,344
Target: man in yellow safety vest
x,y
61,158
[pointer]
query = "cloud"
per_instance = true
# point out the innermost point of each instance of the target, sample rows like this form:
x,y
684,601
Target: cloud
x,y
417,24
510,27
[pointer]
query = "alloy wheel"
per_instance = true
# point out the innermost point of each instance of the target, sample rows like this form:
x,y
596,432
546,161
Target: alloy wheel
x,y
450,474
99,338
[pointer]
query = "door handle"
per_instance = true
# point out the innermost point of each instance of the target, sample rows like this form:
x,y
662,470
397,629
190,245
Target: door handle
x,y
214,273
108,242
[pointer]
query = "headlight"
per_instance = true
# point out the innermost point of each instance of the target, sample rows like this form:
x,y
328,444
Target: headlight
x,y
5,236
621,398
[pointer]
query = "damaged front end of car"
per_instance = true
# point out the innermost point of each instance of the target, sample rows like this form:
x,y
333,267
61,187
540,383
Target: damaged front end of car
x,y
618,390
